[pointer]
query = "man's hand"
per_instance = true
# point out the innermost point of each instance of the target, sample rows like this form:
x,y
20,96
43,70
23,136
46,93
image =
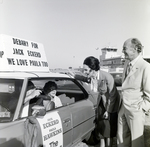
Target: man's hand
x,y
36,93
32,93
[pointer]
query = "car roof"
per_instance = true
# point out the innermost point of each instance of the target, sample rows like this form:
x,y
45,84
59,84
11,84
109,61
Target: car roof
x,y
31,74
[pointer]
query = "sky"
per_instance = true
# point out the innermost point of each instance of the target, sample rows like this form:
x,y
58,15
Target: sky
x,y
72,30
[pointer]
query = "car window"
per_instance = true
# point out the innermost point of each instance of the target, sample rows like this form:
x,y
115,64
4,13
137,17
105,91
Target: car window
x,y
68,92
65,87
9,96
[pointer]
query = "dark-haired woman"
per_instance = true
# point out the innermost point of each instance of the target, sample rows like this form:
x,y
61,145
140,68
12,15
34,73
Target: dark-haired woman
x,y
50,89
108,100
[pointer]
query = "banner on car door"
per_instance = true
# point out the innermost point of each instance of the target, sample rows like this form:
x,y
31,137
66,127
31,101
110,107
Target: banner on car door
x,y
51,127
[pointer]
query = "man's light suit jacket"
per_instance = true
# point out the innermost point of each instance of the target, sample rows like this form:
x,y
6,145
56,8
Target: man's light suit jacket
x,y
136,86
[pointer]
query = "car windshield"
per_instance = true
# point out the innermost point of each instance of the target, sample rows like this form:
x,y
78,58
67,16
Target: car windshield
x,y
9,95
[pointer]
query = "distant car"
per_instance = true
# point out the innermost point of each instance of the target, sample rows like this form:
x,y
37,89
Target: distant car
x,y
64,126
147,59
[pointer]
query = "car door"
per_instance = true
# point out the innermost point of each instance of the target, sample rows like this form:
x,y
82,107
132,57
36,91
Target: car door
x,y
83,115
81,107
77,113
12,134
61,114
65,115
56,127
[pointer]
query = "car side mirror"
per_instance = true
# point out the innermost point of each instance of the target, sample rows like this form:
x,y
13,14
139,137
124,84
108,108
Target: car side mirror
x,y
38,110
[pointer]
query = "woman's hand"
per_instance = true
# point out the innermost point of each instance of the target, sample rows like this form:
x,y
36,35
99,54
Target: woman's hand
x,y
106,115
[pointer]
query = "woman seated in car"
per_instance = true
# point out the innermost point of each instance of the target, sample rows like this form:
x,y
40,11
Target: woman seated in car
x,y
50,89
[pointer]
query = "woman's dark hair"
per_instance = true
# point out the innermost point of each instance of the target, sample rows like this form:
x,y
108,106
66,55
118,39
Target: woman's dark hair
x,y
92,63
30,86
49,86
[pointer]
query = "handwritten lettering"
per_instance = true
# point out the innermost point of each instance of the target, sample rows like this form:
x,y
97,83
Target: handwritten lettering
x,y
53,144
34,45
46,137
50,130
18,51
11,61
22,62
44,64
20,42
49,124
49,119
34,54
34,63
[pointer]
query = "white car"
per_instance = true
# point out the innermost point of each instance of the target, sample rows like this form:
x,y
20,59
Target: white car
x,y
75,117
22,61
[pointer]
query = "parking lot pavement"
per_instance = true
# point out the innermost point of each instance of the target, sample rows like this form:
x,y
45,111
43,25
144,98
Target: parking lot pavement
x,y
146,134
81,144
147,131
114,144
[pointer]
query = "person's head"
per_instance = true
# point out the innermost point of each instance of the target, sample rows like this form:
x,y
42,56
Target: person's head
x,y
30,88
90,64
132,48
50,88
